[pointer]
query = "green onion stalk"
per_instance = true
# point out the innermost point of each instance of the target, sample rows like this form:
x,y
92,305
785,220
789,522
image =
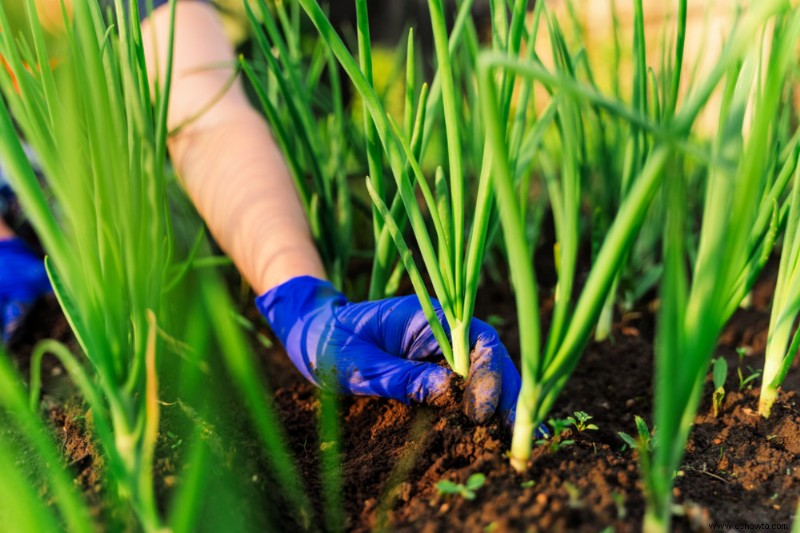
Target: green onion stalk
x,y
631,147
453,264
545,372
785,307
742,213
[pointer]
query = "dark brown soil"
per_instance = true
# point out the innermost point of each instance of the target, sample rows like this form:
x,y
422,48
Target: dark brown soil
x,y
738,467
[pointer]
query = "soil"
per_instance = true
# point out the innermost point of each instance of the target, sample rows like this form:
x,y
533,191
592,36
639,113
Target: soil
x,y
738,467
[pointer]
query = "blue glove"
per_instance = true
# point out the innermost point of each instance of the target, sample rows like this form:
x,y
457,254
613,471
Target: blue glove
x,y
23,279
383,348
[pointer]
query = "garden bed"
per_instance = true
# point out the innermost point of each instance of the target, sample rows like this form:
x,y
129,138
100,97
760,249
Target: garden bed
x,y
738,468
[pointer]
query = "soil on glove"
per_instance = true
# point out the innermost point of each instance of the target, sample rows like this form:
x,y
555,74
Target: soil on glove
x,y
738,467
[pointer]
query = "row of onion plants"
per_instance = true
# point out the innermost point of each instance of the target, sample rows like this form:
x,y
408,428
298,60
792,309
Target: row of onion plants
x,y
546,369
745,207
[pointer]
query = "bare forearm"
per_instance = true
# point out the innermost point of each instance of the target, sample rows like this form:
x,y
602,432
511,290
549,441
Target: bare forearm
x,y
226,157
245,194
5,231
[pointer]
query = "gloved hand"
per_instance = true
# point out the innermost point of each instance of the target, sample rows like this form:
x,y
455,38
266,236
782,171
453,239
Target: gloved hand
x,y
23,279
378,348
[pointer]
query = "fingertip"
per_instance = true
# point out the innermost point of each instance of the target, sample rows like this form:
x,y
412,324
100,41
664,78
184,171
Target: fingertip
x,y
429,385
484,384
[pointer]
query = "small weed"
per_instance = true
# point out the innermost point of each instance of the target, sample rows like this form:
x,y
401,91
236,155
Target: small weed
x,y
645,440
560,429
466,490
580,421
574,496
527,484
753,374
619,503
720,374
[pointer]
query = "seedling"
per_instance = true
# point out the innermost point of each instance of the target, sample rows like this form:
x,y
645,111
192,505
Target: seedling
x,y
644,441
720,374
752,375
560,430
574,494
580,421
619,503
466,490
746,381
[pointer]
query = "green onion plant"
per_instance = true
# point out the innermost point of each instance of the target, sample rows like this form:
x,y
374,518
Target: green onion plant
x,y
623,148
107,269
453,262
780,353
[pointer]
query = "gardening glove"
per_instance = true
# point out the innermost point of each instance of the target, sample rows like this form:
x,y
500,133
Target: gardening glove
x,y
383,348
22,280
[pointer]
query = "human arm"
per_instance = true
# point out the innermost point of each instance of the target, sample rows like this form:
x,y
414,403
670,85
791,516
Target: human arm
x,y
225,155
5,231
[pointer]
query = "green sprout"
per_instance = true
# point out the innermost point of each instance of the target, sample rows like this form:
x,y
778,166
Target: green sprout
x,y
465,490
108,270
557,440
720,374
122,284
452,225
644,441
746,381
580,421
752,374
